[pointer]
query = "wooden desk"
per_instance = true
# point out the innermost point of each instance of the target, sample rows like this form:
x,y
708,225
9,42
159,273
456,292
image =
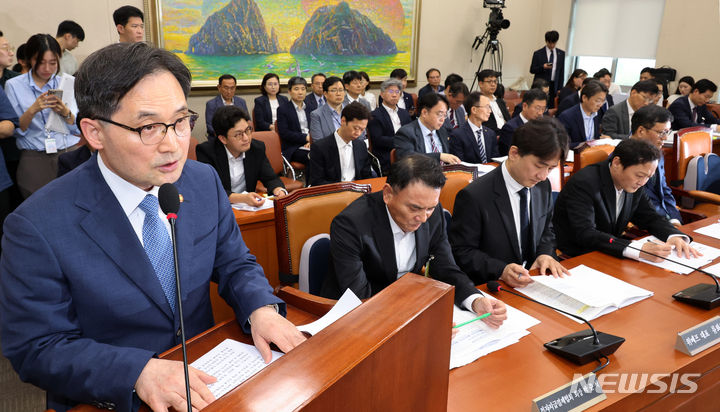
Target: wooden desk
x,y
517,374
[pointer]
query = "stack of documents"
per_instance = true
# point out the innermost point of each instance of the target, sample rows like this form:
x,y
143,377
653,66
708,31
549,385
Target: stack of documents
x,y
587,293
481,167
478,339
267,204
709,254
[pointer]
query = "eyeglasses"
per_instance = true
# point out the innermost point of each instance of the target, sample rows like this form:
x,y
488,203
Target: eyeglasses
x,y
154,133
336,91
228,88
7,48
439,115
392,91
487,106
239,134
662,133
490,81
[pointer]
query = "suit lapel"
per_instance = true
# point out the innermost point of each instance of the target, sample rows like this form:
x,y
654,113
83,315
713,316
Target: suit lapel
x,y
422,240
472,139
223,167
250,164
625,116
382,233
335,159
502,203
608,192
443,136
107,225
537,206
184,229
358,149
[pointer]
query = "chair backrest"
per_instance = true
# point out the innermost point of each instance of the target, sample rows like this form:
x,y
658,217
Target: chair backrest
x,y
191,149
456,181
272,149
314,258
690,142
591,155
306,213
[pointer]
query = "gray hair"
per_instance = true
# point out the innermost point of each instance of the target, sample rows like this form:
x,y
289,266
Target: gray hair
x,y
389,83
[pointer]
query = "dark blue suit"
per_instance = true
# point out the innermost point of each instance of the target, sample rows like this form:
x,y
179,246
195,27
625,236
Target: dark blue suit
x,y
575,98
463,144
428,89
82,309
288,128
682,113
539,58
262,112
216,102
660,193
325,166
409,139
572,119
506,134
381,133
311,102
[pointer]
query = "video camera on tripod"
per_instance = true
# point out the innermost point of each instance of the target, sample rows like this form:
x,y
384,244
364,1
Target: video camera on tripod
x,y
496,22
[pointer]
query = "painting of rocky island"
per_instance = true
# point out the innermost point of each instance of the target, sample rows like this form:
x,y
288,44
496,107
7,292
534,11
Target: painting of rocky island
x,y
249,38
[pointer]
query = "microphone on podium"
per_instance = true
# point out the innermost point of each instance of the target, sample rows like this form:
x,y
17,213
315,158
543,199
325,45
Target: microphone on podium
x,y
169,200
702,295
580,347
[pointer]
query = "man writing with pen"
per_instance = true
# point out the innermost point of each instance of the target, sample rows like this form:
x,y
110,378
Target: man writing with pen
x,y
239,160
384,235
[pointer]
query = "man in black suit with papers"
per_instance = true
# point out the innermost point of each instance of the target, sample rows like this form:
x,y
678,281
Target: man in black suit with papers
x,y
502,222
596,204
382,236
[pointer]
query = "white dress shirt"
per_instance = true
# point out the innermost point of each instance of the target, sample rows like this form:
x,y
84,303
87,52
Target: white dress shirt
x,y
237,172
426,138
513,187
497,112
130,196
475,130
394,117
347,161
302,117
274,104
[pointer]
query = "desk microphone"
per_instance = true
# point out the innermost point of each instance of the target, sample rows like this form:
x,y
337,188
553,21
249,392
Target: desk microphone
x,y
580,347
169,200
702,295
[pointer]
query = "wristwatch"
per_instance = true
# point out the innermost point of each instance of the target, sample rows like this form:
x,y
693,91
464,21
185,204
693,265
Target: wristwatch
x,y
69,115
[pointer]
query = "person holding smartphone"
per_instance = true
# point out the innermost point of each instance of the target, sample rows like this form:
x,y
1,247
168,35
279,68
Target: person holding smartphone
x,y
46,123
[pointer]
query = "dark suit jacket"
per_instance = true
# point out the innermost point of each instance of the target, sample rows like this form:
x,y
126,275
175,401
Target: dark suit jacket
x,y
568,102
492,122
262,112
80,297
311,102
381,133
682,113
565,92
288,128
216,102
585,219
539,58
459,119
482,233
506,135
70,160
463,144
573,121
257,166
362,251
428,89
616,121
324,165
409,139
660,193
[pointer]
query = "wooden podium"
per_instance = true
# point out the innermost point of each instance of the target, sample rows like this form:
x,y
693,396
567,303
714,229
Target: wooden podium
x,y
392,353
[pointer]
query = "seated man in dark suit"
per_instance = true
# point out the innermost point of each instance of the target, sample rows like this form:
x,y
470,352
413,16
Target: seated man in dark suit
x,y
426,134
548,63
455,95
581,121
616,122
692,110
595,206
534,104
406,100
293,122
384,235
540,84
315,98
385,121
652,124
226,86
239,160
433,77
573,99
342,157
488,83
502,222
354,88
473,142
605,77
326,119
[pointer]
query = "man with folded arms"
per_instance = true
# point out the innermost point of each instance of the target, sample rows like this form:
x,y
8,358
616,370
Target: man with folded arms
x,y
382,236
502,222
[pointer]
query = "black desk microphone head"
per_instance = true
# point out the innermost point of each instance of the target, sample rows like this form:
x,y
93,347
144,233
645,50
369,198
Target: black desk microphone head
x,y
169,199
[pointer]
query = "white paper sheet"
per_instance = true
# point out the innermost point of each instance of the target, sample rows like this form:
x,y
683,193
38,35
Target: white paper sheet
x,y
481,167
712,230
268,204
347,302
709,254
232,363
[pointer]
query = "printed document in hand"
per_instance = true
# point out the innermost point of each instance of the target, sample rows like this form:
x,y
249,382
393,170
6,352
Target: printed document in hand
x,y
347,302
588,293
712,230
232,363
481,167
709,253
267,204
478,339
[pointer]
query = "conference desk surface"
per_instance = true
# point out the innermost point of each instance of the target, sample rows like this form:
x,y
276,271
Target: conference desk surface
x,y
510,378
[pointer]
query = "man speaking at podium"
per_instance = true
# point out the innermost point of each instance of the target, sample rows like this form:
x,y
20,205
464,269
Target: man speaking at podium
x,y
87,285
